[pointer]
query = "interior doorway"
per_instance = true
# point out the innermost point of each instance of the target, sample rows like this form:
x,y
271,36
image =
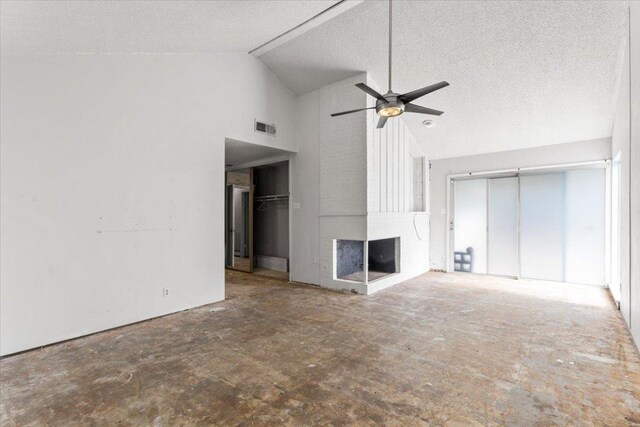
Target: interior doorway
x,y
257,209
542,224
271,220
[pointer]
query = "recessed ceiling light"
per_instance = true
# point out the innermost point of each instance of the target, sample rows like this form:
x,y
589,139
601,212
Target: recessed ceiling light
x,y
428,123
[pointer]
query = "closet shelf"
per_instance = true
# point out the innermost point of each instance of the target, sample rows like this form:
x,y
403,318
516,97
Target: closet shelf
x,y
271,198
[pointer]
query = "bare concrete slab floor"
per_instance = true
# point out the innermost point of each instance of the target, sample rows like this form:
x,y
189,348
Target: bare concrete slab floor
x,y
358,276
282,275
441,349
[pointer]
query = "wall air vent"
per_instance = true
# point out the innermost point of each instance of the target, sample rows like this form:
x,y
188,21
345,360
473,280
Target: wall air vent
x,y
268,129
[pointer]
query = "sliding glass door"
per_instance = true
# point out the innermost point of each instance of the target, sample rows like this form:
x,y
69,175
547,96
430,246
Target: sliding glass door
x,y
470,223
502,230
547,226
542,226
585,211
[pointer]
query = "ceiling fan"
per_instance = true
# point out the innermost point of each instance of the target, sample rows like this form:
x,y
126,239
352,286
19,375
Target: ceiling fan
x,y
393,104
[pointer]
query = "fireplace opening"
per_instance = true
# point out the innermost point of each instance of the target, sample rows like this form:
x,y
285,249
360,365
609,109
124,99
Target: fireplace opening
x,y
383,258
350,260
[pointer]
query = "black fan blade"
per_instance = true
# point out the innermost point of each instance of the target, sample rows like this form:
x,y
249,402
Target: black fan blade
x,y
371,92
351,111
410,96
382,122
411,108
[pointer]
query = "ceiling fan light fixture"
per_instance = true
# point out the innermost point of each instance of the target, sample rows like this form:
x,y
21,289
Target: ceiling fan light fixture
x,y
390,111
393,104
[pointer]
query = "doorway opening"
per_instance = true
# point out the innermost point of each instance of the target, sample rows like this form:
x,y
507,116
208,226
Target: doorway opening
x,y
271,220
257,209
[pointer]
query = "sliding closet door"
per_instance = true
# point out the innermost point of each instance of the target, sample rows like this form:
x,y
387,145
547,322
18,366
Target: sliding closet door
x,y
470,222
542,218
502,231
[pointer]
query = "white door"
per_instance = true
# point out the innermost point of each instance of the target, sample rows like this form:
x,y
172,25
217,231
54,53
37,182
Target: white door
x,y
502,229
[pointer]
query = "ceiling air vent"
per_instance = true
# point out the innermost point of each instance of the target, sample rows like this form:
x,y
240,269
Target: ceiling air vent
x,y
269,129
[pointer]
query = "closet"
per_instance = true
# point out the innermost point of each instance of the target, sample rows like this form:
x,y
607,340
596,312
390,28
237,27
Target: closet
x,y
257,220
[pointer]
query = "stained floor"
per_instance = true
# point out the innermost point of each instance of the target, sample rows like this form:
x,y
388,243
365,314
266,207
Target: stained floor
x,y
441,349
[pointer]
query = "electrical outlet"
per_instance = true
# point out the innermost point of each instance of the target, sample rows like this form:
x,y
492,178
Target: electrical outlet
x,y
165,292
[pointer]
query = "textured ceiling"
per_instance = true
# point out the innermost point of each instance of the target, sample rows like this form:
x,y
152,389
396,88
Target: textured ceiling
x,y
522,74
148,26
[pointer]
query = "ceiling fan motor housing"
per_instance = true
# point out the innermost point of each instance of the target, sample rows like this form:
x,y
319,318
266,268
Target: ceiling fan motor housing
x,y
392,107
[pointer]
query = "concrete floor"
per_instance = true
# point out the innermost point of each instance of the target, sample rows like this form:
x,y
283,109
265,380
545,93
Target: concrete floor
x,y
358,276
441,349
275,274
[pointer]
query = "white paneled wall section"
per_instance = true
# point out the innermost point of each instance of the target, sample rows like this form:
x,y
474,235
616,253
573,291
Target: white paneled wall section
x,y
392,170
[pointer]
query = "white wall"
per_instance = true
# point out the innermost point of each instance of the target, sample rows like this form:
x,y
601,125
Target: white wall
x,y
626,141
113,184
390,156
343,173
329,176
305,192
634,184
620,145
581,151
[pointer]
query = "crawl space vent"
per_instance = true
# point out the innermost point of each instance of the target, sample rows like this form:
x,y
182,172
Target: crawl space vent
x,y
268,129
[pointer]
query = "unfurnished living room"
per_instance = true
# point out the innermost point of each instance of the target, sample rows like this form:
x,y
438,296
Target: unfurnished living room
x,y
327,212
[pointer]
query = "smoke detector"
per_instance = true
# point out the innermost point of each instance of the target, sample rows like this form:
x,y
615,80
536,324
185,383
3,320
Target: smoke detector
x,y
428,123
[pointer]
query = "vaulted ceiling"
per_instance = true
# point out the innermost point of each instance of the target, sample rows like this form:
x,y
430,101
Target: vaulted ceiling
x,y
522,74
153,26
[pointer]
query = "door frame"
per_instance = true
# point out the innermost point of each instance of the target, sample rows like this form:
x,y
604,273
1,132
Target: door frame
x,y
229,247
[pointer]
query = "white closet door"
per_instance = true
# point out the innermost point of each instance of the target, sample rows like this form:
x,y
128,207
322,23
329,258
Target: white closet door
x,y
542,217
502,233
585,226
470,221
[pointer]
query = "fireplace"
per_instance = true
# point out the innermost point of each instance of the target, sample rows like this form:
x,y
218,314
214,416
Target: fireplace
x,y
350,260
383,258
